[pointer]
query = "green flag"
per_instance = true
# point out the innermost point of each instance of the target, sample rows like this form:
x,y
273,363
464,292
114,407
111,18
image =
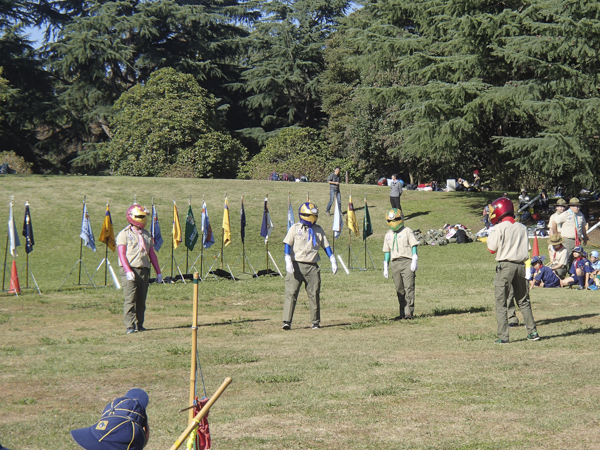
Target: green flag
x,y
367,227
191,232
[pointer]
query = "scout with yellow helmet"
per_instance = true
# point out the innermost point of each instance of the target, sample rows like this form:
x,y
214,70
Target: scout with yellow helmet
x,y
400,255
136,253
301,248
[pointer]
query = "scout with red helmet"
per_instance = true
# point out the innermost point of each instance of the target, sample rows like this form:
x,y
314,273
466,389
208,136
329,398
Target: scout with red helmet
x,y
136,253
508,241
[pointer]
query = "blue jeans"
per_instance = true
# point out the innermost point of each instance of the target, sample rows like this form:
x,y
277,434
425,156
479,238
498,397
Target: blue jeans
x,y
332,195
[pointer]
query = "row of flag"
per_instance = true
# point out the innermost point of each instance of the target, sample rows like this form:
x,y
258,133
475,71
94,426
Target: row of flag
x,y
13,235
192,234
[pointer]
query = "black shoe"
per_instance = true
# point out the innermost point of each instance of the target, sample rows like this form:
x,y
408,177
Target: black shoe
x,y
513,325
130,330
501,341
408,317
316,326
286,326
141,328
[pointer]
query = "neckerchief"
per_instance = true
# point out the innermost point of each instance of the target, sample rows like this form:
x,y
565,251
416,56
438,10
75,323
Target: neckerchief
x,y
395,244
311,235
141,242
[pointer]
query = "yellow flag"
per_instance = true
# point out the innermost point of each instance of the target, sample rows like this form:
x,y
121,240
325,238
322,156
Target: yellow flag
x,y
226,227
352,222
176,227
107,235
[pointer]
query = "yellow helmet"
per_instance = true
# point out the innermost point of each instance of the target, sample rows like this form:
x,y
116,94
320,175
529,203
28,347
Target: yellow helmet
x,y
395,219
308,214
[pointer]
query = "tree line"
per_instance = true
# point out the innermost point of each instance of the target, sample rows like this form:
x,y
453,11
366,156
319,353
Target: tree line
x,y
430,89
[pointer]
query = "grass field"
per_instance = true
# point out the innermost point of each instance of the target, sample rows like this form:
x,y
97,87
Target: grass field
x,y
363,381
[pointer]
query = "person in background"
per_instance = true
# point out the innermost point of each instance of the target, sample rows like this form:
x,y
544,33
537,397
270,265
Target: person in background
x,y
544,276
561,205
136,252
334,190
572,229
542,204
400,255
580,270
509,243
559,256
486,214
122,426
524,200
395,191
594,282
476,180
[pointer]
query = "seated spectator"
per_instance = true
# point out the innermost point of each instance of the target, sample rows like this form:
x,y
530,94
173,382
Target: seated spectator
x,y
486,214
594,282
542,203
558,256
476,181
462,185
544,276
524,200
580,270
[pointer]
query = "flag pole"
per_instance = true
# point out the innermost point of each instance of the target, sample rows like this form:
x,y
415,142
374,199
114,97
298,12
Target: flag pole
x,y
173,239
105,256
267,241
364,240
187,250
223,238
81,242
4,269
307,196
194,345
202,247
243,247
152,228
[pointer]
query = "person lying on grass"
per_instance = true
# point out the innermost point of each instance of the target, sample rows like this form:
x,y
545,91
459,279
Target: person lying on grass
x,y
581,268
544,276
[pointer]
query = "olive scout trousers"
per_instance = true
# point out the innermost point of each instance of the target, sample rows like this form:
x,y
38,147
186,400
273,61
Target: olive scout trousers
x,y
135,293
310,275
404,279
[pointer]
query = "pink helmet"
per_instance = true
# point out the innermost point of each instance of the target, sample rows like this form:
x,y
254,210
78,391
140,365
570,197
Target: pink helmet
x,y
137,215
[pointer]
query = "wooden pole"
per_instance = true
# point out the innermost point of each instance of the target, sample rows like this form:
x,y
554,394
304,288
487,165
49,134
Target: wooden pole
x,y
243,246
81,242
203,412
5,255
194,347
364,240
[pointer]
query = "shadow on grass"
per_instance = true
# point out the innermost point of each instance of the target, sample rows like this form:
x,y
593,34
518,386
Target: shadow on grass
x,y
417,214
228,322
581,331
452,311
564,319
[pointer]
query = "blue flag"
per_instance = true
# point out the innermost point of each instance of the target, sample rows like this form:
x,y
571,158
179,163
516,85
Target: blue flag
x,y
267,224
28,230
155,230
290,217
86,230
208,238
243,222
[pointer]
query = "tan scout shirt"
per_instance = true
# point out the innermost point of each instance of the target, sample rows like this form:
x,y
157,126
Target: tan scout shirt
x,y
553,219
567,220
302,247
509,241
134,254
405,239
557,257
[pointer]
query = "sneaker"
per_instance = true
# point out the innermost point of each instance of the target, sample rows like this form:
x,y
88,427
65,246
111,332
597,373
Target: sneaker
x,y
580,287
533,336
593,287
141,328
286,326
501,341
327,213
316,326
131,330
408,317
513,325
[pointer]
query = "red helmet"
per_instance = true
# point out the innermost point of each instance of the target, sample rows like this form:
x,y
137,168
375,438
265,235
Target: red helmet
x,y
137,215
501,208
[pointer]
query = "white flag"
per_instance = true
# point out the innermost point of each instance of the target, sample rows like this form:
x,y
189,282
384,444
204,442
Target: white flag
x,y
337,221
13,236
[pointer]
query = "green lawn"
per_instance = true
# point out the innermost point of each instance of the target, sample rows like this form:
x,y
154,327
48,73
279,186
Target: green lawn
x,y
363,381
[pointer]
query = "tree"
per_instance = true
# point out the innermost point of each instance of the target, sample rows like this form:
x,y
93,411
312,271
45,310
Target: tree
x,y
167,121
285,59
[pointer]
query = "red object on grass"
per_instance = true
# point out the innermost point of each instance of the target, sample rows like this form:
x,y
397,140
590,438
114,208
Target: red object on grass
x,y
15,288
203,431
536,248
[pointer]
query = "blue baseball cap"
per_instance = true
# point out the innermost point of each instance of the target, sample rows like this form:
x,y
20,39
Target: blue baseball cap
x,y
578,249
122,425
595,254
536,259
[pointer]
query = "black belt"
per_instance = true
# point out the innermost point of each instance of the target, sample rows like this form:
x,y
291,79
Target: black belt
x,y
514,262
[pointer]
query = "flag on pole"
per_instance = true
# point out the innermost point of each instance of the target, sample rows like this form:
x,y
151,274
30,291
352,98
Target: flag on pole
x,y
86,230
176,227
226,227
267,224
367,227
28,230
352,222
207,235
155,230
337,221
191,232
243,222
12,232
107,234
290,217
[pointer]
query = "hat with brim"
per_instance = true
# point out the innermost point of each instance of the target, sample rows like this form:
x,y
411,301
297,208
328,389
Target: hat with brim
x,y
537,259
555,239
578,249
121,426
561,202
574,202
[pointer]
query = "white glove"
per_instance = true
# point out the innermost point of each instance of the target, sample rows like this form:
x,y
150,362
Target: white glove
x,y
289,267
413,264
130,276
385,269
333,264
159,278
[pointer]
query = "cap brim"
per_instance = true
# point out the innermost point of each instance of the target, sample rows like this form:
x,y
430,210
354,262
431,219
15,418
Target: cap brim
x,y
140,395
85,439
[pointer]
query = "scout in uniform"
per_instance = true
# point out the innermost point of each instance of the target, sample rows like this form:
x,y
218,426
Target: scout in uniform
x,y
560,208
509,242
572,225
558,256
580,271
400,255
301,248
544,276
136,252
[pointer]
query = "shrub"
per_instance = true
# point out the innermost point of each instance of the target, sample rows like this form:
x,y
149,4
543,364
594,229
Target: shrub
x,y
16,163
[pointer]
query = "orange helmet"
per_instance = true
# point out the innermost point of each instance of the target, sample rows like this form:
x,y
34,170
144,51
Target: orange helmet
x,y
137,215
501,208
